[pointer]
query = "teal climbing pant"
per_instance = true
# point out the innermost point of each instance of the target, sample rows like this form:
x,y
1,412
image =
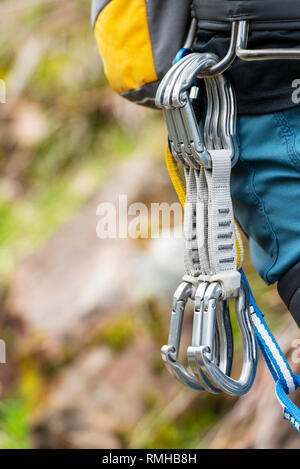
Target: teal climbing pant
x,y
266,190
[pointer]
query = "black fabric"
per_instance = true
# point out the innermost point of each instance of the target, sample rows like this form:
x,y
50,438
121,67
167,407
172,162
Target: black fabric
x,y
289,291
261,86
294,307
256,11
144,95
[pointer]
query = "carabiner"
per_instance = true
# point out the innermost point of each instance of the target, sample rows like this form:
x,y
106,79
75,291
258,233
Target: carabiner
x,y
163,97
215,331
170,352
193,148
201,356
179,139
186,78
184,133
221,116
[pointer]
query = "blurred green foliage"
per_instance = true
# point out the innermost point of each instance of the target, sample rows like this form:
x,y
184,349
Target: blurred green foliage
x,y
184,432
14,423
61,135
117,333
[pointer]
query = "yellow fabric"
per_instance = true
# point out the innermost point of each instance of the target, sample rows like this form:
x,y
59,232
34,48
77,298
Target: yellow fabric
x,y
180,190
173,173
123,39
239,248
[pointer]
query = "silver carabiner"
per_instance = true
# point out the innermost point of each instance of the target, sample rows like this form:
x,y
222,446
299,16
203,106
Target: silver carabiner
x,y
181,113
196,154
174,98
205,326
170,352
188,74
220,122
163,94
201,356
174,138
179,140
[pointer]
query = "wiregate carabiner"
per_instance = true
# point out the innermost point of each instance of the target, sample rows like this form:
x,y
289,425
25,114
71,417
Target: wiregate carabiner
x,y
200,356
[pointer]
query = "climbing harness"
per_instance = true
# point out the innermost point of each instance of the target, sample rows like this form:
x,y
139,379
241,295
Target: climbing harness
x,y
199,157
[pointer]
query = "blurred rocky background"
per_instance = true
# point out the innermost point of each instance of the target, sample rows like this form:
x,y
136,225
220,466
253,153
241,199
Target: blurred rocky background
x,y
84,318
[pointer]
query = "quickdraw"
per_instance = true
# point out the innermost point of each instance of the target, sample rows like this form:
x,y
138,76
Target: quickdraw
x,y
200,161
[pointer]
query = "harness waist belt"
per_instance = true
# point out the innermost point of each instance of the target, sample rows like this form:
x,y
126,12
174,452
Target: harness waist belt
x,y
217,15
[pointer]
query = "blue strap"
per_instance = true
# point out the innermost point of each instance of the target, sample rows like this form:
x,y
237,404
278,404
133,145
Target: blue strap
x,y
182,53
286,381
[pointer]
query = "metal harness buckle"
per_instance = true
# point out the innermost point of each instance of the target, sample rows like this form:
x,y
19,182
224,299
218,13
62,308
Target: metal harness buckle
x,y
238,48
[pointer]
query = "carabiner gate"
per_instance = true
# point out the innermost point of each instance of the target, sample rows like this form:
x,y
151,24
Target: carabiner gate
x,y
200,356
